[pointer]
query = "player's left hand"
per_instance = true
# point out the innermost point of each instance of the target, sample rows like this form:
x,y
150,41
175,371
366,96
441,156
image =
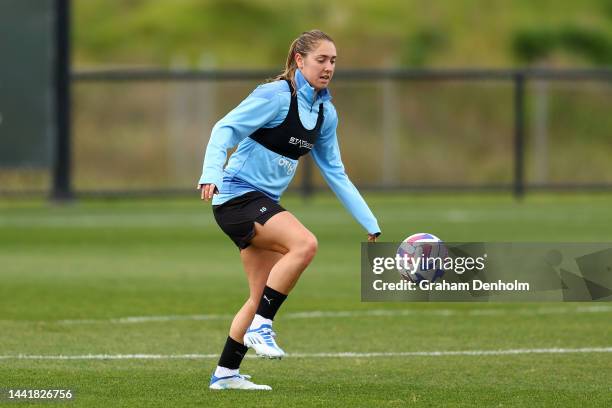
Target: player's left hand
x,y
372,237
207,191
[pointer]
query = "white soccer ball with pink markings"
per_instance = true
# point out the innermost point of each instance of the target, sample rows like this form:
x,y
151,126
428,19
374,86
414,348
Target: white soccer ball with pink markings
x,y
426,254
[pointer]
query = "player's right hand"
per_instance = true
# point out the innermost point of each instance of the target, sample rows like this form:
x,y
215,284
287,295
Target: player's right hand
x,y
207,191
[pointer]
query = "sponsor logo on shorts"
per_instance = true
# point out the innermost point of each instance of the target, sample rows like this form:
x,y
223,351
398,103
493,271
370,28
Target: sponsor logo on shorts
x,y
263,209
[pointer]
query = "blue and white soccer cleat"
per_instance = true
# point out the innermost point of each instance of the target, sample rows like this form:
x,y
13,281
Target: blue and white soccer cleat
x,y
235,382
262,341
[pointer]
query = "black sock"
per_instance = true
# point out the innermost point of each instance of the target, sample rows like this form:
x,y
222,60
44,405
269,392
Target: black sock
x,y
270,302
232,354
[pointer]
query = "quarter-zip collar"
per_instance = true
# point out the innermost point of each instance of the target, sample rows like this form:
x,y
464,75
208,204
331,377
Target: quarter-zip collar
x,y
304,88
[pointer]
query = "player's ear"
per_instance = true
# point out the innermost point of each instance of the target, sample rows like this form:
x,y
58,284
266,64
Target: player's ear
x,y
299,60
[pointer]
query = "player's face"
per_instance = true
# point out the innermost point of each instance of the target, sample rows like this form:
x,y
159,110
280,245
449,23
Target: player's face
x,y
318,66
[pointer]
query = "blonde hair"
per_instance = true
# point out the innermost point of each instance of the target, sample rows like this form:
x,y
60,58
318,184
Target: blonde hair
x,y
302,45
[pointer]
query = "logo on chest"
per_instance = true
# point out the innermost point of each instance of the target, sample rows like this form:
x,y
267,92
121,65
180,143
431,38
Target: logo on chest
x,y
301,143
287,165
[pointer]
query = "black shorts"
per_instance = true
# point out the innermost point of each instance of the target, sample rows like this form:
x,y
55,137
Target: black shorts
x,y
237,216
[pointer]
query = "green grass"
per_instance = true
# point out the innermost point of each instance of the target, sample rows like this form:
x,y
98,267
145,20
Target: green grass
x,y
99,260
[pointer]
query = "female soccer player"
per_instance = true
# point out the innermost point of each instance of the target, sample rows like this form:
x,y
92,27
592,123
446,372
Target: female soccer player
x,y
275,125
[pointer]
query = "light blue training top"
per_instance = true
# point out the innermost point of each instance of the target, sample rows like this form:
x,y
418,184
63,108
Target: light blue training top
x,y
252,167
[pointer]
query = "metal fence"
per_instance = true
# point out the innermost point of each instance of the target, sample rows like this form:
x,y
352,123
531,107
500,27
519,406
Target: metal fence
x,y
513,130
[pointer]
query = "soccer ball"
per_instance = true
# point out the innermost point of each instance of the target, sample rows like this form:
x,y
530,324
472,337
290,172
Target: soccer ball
x,y
427,252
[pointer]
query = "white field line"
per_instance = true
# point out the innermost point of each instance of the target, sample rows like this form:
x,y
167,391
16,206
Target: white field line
x,y
316,314
315,355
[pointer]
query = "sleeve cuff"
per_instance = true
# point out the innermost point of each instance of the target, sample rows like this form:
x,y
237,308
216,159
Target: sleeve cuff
x,y
217,181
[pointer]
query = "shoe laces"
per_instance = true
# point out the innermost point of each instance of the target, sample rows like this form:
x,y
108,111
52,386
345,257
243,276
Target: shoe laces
x,y
267,332
245,379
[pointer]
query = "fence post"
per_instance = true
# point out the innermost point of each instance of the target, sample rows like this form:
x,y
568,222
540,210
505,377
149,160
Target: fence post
x,y
390,132
62,190
519,133
540,131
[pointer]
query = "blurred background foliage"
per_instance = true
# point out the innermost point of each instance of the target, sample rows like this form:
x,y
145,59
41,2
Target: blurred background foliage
x,y
419,132
385,33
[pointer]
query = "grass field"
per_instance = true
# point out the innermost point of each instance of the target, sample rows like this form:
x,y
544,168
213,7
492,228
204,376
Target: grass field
x,y
71,277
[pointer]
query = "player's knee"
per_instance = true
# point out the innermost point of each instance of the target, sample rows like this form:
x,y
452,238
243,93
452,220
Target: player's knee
x,y
308,248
